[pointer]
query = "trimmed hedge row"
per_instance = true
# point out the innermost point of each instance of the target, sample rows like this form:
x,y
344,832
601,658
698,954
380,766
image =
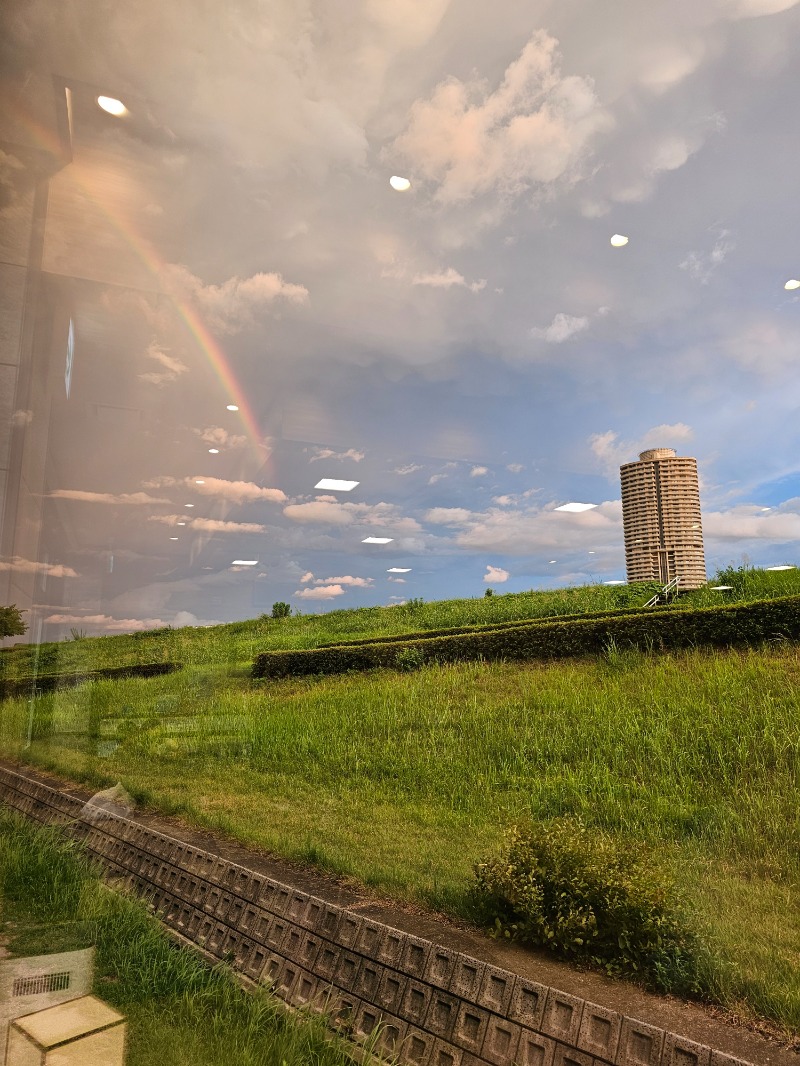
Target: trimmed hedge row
x,y
35,686
490,627
715,626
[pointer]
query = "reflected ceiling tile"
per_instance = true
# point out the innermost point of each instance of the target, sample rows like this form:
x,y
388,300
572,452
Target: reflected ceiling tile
x,y
336,485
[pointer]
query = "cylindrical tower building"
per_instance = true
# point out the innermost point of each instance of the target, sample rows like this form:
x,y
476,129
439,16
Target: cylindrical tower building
x,y
661,519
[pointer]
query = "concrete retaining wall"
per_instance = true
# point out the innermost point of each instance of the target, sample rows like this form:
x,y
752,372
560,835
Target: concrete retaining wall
x,y
433,1006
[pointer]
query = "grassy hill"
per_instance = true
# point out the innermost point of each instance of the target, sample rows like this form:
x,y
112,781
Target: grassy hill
x,y
406,780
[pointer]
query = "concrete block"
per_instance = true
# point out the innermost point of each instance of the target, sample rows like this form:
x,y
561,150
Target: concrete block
x,y
297,903
369,977
416,1001
501,1041
562,1016
327,960
309,948
390,1037
467,977
391,991
599,1031
370,938
639,1044
274,897
223,906
292,941
346,973
440,966
390,949
235,912
441,1016
414,959
366,1021
417,1048
216,938
470,1027
212,899
349,930
567,1056
343,1011
329,923
287,978
679,1051
527,1003
306,989
249,918
497,988
535,1049
272,968
721,1058
276,934
445,1054
254,964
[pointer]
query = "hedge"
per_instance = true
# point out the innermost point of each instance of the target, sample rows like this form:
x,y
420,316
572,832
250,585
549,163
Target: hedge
x,y
35,686
713,626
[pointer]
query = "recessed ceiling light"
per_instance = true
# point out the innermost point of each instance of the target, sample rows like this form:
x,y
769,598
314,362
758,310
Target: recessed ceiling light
x,y
613,582
399,570
781,568
576,507
553,561
619,240
199,481
180,523
112,106
377,540
792,283
399,184
591,553
232,407
337,486
213,451
173,538
188,505
245,562
721,588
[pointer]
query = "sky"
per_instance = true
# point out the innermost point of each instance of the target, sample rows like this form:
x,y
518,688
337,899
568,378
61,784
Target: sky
x,y
472,350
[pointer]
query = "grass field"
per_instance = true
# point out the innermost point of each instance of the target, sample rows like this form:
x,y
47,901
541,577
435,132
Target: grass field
x,y
178,1011
405,781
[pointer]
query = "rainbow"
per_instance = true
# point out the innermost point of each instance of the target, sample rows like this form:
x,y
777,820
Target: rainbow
x,y
204,340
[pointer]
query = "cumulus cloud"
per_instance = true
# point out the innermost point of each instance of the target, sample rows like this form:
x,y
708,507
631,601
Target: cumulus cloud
x,y
345,514
235,303
220,437
108,624
746,523
208,525
533,128
515,468
307,578
561,328
334,514
496,574
479,471
329,453
324,592
612,452
234,491
533,530
448,516
409,468
134,499
171,367
446,279
29,566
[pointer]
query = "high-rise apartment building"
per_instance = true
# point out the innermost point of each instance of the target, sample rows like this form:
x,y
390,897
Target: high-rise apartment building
x,y
661,519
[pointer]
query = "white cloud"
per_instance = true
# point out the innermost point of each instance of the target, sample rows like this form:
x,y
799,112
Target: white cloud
x,y
334,514
436,477
448,516
446,279
208,525
613,452
561,328
353,582
220,437
134,499
398,580
410,468
479,471
235,303
533,128
345,514
701,266
515,468
307,578
172,367
329,453
744,523
324,592
496,574
29,566
234,491
532,531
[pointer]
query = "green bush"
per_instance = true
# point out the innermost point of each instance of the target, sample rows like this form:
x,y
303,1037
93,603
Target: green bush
x,y
590,897
281,610
738,624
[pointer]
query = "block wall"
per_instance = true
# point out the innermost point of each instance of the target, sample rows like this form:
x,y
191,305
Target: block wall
x,y
431,1005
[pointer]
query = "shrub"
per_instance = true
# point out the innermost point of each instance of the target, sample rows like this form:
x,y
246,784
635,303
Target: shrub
x,y
281,610
410,658
590,897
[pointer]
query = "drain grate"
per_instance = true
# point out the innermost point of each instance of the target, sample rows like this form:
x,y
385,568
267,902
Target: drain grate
x,y
44,982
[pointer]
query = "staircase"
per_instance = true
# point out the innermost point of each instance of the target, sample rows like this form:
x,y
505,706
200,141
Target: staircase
x,y
668,593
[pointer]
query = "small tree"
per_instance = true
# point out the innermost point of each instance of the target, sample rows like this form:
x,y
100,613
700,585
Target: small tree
x,y
11,624
281,610
488,593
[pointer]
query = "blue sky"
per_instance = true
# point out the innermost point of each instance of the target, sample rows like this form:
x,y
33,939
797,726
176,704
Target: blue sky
x,y
473,351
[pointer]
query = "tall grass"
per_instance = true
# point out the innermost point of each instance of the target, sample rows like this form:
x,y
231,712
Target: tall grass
x,y
404,781
179,1011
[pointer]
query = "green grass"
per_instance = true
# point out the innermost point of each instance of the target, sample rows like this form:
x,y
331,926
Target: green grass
x,y
178,1011
405,780
236,645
